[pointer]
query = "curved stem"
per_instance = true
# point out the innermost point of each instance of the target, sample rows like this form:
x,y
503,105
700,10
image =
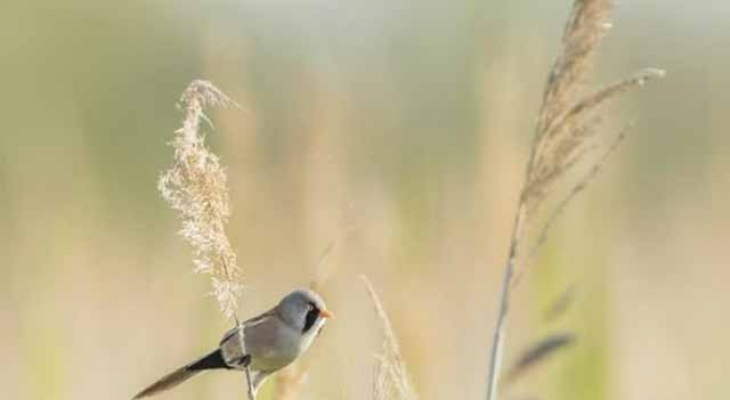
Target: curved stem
x,y
495,359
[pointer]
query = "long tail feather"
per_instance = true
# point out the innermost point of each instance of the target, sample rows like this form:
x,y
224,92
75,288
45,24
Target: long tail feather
x,y
213,360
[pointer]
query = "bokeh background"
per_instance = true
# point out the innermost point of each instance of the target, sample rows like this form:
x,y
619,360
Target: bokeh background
x,y
399,130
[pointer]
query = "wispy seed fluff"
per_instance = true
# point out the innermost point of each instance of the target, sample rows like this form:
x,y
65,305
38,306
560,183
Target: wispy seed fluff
x,y
196,187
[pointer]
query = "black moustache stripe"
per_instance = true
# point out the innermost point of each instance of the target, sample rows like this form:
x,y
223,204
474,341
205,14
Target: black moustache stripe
x,y
310,319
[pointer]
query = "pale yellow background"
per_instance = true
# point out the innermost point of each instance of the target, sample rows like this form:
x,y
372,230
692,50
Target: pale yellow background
x,y
407,121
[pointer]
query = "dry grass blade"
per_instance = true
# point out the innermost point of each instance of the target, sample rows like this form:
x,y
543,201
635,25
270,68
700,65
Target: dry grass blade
x,y
196,187
391,370
537,353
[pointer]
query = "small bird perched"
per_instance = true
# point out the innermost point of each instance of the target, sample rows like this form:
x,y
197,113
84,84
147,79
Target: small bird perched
x,y
262,345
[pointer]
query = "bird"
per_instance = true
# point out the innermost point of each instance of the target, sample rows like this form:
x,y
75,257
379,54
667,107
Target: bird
x,y
259,346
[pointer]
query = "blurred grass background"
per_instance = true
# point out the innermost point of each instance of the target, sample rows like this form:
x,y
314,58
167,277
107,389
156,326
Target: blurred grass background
x,y
407,121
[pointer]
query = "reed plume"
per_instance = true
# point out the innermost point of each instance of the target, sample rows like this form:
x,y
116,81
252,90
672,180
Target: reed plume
x,y
565,135
391,375
196,187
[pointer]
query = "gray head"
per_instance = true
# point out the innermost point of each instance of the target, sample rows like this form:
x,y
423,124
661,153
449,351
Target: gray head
x,y
303,310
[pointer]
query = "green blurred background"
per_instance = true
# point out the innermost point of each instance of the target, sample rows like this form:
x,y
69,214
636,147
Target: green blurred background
x,y
400,130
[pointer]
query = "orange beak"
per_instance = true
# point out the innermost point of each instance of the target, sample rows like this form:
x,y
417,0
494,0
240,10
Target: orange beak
x,y
326,314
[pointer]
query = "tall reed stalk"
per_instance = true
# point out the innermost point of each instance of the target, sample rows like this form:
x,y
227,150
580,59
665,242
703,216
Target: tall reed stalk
x,y
565,135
